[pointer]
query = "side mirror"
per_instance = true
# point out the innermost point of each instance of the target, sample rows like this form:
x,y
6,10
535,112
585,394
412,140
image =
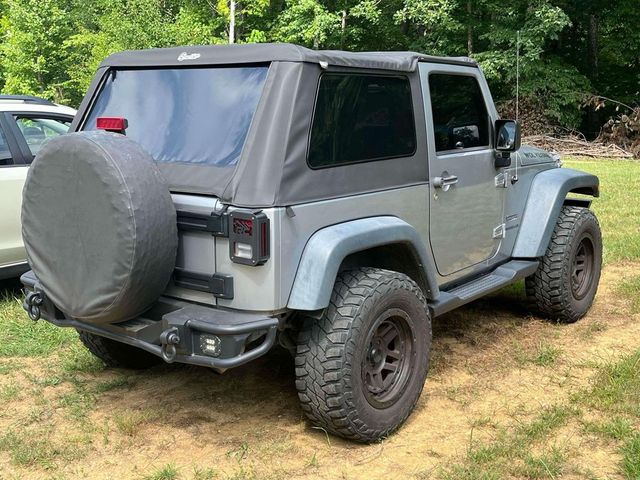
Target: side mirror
x,y
507,135
507,140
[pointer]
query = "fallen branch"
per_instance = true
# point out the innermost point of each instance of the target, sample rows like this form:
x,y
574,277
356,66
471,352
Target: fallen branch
x,y
576,146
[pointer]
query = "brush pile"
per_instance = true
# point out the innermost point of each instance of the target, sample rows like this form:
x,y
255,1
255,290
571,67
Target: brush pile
x,y
623,131
619,136
574,144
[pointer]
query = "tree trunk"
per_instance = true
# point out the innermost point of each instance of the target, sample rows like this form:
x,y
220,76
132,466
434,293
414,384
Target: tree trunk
x,y
343,28
469,28
594,26
594,119
232,21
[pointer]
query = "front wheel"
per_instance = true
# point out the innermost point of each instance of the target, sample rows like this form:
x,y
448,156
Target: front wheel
x,y
565,284
360,369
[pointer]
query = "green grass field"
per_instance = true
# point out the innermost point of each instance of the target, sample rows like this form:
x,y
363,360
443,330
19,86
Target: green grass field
x,y
618,208
65,416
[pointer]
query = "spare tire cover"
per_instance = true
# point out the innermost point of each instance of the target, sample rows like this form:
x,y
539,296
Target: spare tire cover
x,y
99,226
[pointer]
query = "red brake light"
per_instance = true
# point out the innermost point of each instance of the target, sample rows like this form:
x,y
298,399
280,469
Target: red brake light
x,y
112,124
243,226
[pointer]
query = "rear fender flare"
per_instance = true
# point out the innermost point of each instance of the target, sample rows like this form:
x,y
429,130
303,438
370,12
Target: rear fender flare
x,y
328,247
547,195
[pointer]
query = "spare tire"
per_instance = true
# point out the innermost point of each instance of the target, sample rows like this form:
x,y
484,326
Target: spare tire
x,y
99,226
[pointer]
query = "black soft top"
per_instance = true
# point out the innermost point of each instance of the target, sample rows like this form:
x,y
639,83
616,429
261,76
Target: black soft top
x,y
274,52
272,169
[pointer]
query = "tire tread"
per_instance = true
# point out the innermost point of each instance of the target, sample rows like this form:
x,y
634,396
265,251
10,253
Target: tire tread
x,y
322,374
545,289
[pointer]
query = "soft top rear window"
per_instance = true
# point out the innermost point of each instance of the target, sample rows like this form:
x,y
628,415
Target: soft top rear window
x,y
189,115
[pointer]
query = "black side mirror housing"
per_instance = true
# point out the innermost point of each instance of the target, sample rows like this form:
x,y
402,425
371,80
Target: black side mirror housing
x,y
507,140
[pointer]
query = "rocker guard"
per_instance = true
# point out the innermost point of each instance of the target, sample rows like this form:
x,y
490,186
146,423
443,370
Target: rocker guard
x,y
171,329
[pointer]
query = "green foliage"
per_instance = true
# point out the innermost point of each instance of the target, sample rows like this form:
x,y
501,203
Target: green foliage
x,y
53,47
32,60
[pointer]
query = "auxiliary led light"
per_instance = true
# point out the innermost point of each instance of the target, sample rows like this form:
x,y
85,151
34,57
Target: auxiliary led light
x,y
210,345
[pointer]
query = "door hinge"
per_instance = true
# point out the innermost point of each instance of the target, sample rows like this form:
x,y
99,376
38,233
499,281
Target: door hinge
x,y
501,181
499,231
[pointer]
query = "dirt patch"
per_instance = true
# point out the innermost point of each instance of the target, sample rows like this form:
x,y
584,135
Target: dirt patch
x,y
493,368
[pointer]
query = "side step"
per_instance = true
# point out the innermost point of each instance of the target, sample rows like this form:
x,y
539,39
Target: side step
x,y
502,276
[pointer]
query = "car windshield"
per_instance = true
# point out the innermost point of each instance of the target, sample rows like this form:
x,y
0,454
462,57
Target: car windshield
x,y
193,116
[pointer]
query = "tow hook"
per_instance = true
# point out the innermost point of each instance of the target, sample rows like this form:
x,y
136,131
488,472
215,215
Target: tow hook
x,y
32,304
169,339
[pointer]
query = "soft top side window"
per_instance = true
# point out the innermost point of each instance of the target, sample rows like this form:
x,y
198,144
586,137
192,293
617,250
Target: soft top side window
x,y
460,118
360,118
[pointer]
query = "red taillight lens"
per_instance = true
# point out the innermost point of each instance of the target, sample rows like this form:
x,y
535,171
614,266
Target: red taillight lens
x,y
264,239
243,226
112,124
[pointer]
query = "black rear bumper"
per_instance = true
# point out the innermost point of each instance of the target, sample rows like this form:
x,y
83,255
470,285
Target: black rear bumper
x,y
174,330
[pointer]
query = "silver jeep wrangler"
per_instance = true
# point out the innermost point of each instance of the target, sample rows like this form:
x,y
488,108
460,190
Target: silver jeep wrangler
x,y
215,200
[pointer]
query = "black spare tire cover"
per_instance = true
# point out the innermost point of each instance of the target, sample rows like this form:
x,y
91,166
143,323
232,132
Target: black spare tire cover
x,y
99,226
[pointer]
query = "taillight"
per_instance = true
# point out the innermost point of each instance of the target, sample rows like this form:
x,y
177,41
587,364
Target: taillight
x,y
112,124
248,237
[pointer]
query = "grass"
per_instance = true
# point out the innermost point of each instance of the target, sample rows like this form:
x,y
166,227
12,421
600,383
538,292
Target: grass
x,y
613,397
9,392
128,422
30,448
548,420
204,473
547,354
631,457
510,454
617,428
616,388
168,472
21,337
617,208
547,465
616,391
630,288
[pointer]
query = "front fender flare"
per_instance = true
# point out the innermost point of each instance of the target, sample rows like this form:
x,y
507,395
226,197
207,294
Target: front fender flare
x,y
328,247
547,195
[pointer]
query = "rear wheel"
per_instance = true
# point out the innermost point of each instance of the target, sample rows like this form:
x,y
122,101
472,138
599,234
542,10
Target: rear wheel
x,y
566,282
116,354
360,369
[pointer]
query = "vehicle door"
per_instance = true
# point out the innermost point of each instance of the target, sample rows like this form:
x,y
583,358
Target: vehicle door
x,y
13,171
466,207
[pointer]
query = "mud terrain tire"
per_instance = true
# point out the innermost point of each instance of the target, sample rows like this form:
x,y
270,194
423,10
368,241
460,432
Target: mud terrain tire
x,y
360,368
116,354
565,284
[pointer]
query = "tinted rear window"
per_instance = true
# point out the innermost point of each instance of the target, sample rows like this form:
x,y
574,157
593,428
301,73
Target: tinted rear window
x,y
194,116
360,118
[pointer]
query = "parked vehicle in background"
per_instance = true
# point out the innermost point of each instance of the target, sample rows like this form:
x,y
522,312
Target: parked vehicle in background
x,y
26,124
220,199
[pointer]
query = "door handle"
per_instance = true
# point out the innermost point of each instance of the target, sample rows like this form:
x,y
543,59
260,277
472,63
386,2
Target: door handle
x,y
445,181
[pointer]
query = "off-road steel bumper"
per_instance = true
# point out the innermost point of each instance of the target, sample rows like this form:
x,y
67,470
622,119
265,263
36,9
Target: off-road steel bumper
x,y
174,330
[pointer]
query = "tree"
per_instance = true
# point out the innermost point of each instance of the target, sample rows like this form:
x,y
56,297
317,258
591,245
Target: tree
x,y
570,49
32,60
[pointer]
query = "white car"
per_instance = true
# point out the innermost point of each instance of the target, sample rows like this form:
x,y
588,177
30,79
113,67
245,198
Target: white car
x,y
26,123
